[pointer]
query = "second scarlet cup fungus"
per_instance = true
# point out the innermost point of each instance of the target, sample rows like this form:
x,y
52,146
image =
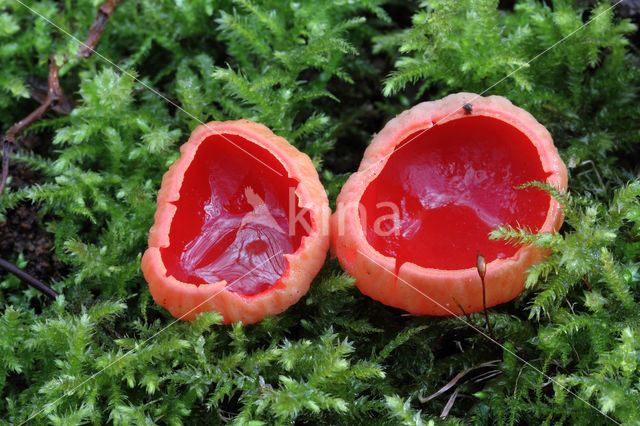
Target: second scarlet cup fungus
x,y
433,183
240,225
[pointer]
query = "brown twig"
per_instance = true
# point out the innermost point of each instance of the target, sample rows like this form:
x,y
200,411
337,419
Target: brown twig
x,y
54,96
482,271
6,152
59,102
33,282
455,380
449,405
584,278
39,90
95,32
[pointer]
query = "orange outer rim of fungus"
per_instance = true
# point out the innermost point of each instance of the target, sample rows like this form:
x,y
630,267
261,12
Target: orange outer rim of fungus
x,y
505,278
185,300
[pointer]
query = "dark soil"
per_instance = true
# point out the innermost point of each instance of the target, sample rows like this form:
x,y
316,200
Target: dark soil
x,y
23,233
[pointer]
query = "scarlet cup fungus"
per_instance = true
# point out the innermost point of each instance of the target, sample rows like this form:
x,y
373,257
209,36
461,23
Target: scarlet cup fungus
x,y
240,225
433,183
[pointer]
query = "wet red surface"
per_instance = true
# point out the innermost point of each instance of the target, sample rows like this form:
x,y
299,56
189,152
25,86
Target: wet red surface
x,y
232,218
450,187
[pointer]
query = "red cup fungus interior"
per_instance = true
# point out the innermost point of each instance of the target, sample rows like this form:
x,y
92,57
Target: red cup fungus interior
x,y
232,218
452,185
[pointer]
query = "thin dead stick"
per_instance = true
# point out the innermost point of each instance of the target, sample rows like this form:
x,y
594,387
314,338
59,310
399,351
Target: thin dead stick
x,y
584,278
485,376
462,309
6,152
455,380
95,32
482,271
55,98
515,387
32,281
39,91
54,95
449,405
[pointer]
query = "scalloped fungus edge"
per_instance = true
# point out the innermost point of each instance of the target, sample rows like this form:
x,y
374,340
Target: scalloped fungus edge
x,y
448,206
179,217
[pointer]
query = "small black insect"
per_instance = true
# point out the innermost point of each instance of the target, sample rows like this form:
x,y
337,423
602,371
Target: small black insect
x,y
467,108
